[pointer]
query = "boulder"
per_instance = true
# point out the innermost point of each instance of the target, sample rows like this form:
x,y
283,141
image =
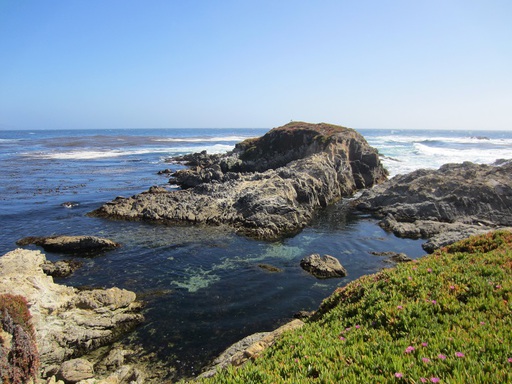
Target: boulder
x,y
72,371
444,205
61,268
323,267
267,188
84,245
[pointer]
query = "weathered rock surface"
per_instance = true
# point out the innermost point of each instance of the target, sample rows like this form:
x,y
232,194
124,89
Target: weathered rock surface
x,y
87,245
61,268
323,267
72,371
249,348
267,187
68,322
445,205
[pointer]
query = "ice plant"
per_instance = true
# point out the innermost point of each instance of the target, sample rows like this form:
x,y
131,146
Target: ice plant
x,y
441,356
435,379
399,375
409,349
459,354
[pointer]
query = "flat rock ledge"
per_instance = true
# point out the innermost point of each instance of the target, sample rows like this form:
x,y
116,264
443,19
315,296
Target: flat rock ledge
x,y
249,348
81,245
266,188
444,205
323,267
69,323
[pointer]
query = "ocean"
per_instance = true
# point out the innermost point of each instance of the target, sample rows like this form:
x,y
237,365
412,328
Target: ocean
x,y
203,286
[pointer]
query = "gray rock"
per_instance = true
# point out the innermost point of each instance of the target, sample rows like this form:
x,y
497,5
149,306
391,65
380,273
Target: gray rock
x,y
444,205
72,371
267,187
323,267
85,245
62,268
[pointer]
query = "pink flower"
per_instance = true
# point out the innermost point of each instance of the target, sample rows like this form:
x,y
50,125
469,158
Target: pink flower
x,y
429,270
459,354
433,302
510,359
342,338
482,323
498,286
441,356
435,379
424,344
398,375
358,326
452,287
425,360
423,380
399,307
409,349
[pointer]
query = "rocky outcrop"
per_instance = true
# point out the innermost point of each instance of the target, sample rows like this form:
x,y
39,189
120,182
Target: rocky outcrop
x,y
444,205
249,348
82,245
68,323
266,187
323,267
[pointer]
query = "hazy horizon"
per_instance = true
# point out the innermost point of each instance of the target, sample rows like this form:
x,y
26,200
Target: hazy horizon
x,y
444,65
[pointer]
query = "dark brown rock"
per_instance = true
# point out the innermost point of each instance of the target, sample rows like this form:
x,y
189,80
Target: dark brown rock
x,y
86,245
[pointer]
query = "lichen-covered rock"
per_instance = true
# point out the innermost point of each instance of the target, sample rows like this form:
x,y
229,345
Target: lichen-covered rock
x,y
72,371
267,187
68,322
323,267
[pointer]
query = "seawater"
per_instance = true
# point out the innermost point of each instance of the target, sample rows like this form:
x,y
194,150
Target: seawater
x,y
202,286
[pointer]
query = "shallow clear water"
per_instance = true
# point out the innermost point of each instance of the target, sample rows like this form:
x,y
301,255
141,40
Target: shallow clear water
x,y
202,286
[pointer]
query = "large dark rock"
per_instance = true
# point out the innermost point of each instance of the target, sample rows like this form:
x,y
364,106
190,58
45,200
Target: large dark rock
x,y
266,187
444,205
85,245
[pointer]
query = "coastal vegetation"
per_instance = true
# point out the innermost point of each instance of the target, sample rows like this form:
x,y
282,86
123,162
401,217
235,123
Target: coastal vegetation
x,y
445,318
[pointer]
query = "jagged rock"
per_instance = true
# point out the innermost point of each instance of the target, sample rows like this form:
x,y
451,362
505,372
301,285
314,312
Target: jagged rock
x,y
68,322
270,268
88,245
323,267
62,268
445,205
72,371
266,187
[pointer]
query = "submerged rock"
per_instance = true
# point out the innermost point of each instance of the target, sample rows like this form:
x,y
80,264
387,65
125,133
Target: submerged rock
x,y
87,245
323,267
266,187
445,205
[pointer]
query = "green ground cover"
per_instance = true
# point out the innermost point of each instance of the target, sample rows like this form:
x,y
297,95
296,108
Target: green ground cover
x,y
446,318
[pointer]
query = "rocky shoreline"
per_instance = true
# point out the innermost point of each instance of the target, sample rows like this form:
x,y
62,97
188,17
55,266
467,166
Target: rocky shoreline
x,y
267,188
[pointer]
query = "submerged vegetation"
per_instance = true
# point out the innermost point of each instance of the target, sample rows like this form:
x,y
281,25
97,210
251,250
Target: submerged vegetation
x,y
446,318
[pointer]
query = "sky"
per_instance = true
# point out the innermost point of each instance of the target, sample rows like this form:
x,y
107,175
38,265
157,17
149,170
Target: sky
x,y
75,64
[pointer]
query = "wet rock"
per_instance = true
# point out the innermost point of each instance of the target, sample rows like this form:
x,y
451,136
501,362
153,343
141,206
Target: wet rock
x,y
267,188
393,256
270,268
84,245
323,267
444,205
62,268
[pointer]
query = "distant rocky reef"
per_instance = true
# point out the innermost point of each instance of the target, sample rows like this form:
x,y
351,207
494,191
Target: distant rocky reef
x,y
267,187
444,205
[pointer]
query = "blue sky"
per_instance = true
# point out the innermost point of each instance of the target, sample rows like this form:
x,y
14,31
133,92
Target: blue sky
x,y
437,64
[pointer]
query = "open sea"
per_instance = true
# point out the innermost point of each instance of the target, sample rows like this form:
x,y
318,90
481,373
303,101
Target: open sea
x,y
202,286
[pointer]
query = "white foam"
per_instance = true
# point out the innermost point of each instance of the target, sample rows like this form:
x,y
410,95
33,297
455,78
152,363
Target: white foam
x,y
113,153
202,139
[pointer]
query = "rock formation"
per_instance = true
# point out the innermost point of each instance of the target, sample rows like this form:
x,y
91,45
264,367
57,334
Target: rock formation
x,y
444,205
323,267
266,187
68,323
83,245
